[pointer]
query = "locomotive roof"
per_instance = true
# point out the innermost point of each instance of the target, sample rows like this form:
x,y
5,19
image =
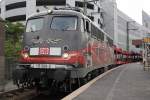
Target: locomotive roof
x,y
66,12
63,12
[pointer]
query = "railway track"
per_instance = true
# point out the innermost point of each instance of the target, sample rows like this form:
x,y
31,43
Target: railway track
x,y
56,96
18,94
31,94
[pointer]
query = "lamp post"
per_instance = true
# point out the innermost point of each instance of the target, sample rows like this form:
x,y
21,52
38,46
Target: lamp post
x,y
128,37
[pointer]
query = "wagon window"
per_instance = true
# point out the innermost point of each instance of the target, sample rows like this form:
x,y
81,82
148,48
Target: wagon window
x,y
64,23
34,24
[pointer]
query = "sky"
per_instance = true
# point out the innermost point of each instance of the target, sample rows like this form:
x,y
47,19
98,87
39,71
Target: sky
x,y
133,8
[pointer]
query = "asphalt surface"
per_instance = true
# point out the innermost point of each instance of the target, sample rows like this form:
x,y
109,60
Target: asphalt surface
x,y
128,82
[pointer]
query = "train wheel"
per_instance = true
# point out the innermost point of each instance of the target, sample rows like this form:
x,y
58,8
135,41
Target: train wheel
x,y
86,79
96,73
83,81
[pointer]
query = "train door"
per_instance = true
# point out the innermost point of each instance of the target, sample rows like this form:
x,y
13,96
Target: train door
x,y
88,55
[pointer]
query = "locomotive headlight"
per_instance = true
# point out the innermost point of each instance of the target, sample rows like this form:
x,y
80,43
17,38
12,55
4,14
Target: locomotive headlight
x,y
25,55
65,55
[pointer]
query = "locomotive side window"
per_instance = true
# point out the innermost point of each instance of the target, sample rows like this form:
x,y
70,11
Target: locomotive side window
x,y
64,23
97,33
34,24
87,26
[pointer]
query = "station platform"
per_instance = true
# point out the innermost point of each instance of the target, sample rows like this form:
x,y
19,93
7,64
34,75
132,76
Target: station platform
x,y
127,82
8,86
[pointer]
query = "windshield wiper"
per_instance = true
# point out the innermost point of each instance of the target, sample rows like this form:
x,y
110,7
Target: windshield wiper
x,y
65,28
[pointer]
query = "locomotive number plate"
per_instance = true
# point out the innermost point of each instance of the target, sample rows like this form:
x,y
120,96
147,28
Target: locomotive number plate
x,y
44,51
47,66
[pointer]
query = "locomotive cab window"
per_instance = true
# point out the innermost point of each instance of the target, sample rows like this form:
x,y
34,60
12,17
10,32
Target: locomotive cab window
x,y
64,23
34,24
97,33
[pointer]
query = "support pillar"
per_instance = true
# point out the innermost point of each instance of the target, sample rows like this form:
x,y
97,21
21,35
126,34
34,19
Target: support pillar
x,y
2,58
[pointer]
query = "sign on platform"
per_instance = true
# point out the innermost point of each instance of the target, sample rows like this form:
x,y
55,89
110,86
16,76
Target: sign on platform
x,y
146,40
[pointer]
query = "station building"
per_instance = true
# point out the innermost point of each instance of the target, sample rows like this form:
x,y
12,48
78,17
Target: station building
x,y
126,25
104,13
20,10
145,19
135,30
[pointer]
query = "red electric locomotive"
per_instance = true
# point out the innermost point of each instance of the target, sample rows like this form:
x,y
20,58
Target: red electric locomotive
x,y
62,46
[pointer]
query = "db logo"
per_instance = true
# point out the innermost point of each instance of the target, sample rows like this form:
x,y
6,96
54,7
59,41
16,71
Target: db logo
x,y
44,51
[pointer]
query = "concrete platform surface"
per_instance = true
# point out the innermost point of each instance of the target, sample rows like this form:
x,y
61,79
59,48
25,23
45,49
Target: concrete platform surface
x,y
128,82
8,86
